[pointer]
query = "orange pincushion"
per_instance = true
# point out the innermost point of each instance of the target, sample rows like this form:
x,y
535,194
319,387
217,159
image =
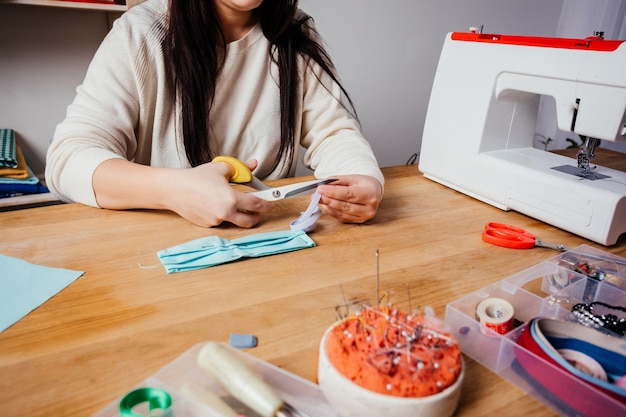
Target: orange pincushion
x,y
390,352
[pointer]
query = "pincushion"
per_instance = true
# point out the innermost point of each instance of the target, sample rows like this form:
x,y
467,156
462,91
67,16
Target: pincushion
x,y
383,362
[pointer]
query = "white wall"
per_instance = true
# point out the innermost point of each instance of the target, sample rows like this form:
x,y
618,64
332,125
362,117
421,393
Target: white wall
x,y
386,52
44,54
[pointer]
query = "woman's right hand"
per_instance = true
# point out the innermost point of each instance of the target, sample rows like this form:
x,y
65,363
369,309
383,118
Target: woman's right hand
x,y
201,195
204,196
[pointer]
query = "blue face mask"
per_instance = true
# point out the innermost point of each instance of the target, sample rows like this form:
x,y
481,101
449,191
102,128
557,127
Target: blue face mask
x,y
214,250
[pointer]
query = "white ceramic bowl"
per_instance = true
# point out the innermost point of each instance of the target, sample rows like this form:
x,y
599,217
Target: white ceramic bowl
x,y
352,400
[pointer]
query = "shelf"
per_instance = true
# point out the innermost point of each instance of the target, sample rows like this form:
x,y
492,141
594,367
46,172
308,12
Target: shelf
x,y
110,7
28,201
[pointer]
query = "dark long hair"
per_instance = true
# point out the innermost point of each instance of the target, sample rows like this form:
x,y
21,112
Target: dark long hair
x,y
194,58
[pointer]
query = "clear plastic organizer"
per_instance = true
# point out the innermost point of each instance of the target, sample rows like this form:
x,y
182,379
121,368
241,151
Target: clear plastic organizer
x,y
298,392
549,289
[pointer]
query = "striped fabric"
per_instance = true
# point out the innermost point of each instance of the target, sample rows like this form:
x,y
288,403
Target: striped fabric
x,y
8,151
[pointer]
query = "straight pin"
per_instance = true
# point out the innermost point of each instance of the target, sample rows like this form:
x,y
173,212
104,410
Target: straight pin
x,y
408,290
377,280
345,302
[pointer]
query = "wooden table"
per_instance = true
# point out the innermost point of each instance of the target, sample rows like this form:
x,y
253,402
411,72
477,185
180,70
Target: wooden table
x,y
125,318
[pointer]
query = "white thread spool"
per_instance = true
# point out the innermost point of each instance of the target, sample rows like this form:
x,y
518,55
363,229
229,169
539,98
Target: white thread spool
x,y
496,314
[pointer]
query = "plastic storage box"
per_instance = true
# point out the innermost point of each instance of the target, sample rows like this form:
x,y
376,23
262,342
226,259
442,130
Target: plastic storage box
x,y
298,392
549,289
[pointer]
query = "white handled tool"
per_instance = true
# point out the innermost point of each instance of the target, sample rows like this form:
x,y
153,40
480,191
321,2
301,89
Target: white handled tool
x,y
239,380
202,395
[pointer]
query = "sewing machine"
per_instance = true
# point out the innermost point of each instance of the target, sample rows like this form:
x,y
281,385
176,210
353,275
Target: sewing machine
x,y
480,127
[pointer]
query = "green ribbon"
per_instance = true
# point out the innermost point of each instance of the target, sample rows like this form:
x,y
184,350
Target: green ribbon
x,y
156,398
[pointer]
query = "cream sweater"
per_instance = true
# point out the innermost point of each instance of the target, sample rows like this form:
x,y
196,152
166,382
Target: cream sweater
x,y
123,109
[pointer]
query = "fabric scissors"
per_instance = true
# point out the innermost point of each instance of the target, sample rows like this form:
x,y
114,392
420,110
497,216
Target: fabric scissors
x,y
243,175
514,237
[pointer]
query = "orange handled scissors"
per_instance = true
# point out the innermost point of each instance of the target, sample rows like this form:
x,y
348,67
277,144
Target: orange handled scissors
x,y
242,175
514,237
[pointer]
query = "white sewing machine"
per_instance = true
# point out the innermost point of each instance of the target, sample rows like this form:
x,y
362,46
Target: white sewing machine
x,y
480,127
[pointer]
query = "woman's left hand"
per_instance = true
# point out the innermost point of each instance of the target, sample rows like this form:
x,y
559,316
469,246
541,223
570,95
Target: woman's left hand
x,y
352,198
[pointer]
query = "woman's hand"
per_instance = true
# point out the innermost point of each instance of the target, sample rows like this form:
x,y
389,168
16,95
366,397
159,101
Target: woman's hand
x,y
352,198
201,195
205,198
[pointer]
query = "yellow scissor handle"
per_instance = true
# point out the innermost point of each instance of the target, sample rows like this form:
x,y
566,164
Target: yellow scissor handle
x,y
241,174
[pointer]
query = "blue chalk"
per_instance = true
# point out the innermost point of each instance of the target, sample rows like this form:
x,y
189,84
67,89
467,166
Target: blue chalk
x,y
241,341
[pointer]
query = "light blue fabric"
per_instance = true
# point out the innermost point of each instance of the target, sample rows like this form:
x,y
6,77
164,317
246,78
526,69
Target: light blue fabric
x,y
31,179
214,250
25,286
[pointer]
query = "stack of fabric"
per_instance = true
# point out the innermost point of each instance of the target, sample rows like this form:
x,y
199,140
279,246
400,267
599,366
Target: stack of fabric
x,y
16,178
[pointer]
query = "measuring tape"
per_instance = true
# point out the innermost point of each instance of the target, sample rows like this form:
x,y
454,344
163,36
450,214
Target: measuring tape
x,y
496,314
157,400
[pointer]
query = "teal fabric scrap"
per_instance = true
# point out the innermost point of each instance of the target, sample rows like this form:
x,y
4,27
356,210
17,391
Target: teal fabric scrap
x,y
8,149
214,250
25,286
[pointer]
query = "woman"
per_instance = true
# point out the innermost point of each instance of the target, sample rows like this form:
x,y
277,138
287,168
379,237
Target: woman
x,y
137,134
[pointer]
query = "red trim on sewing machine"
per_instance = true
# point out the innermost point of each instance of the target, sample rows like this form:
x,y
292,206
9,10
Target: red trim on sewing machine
x,y
592,43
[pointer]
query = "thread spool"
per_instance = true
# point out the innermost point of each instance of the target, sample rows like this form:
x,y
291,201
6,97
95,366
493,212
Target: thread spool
x,y
156,400
496,314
